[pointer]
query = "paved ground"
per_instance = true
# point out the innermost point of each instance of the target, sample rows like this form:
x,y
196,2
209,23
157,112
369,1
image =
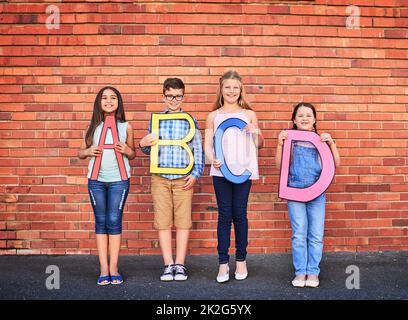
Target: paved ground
x,y
382,275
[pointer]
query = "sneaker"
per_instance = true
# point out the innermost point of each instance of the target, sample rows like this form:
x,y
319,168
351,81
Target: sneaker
x,y
180,272
168,273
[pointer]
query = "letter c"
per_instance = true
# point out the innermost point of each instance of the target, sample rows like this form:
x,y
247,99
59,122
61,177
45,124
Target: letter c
x,y
219,133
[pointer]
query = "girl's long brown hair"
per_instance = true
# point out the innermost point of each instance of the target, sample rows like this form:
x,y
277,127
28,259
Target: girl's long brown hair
x,y
219,102
98,116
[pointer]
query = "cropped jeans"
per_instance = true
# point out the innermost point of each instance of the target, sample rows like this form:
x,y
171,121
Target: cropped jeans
x,y
108,200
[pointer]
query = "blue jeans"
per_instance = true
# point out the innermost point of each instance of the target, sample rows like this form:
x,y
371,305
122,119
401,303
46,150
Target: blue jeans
x,y
108,200
307,221
232,201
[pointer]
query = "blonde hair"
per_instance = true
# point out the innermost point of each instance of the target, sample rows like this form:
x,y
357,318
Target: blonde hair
x,y
219,102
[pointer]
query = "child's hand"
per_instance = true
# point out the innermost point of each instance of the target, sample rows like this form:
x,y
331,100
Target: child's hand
x,y
326,137
94,151
252,128
149,140
216,163
282,136
190,182
123,148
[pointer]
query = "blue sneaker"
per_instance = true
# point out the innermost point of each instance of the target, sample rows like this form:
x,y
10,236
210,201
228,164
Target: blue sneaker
x,y
180,273
168,273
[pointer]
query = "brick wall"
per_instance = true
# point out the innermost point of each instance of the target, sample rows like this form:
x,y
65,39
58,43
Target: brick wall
x,y
286,51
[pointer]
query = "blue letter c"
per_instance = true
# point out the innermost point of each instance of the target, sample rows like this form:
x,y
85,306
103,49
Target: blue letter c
x,y
231,122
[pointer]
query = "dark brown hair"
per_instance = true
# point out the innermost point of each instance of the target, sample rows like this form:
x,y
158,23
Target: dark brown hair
x,y
98,115
174,83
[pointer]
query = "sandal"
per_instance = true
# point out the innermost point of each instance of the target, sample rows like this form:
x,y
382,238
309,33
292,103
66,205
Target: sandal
x,y
117,278
104,280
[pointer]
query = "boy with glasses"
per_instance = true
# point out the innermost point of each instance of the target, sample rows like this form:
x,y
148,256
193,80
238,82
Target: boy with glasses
x,y
172,193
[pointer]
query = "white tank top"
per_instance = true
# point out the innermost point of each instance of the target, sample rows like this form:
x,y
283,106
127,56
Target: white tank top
x,y
240,151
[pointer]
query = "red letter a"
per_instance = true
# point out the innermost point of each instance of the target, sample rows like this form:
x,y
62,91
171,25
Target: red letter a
x,y
110,123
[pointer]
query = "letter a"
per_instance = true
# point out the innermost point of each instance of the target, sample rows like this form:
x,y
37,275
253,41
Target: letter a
x,y
110,123
53,281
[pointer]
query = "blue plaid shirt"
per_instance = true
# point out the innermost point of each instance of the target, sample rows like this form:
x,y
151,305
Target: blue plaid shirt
x,y
176,156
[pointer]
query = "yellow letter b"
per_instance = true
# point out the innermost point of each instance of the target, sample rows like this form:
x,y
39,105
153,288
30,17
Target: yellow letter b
x,y
154,152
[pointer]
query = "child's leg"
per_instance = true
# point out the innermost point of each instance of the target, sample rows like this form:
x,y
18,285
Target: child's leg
x,y
223,192
114,248
182,245
298,221
239,214
166,246
315,213
102,245
163,215
182,204
117,195
98,196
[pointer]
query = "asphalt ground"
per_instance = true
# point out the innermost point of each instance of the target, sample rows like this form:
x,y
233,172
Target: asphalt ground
x,y
344,276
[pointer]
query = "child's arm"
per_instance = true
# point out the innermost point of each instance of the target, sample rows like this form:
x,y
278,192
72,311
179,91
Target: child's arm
x,y
147,141
209,140
128,148
327,138
278,156
209,137
253,128
84,152
198,153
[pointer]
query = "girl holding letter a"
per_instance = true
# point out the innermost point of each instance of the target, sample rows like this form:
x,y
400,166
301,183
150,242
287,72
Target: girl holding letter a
x,y
108,176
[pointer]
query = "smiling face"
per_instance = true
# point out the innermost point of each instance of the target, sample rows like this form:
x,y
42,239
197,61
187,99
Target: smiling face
x,y
305,119
231,91
176,96
109,102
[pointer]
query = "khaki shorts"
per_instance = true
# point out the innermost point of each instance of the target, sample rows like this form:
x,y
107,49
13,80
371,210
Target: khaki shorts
x,y
171,203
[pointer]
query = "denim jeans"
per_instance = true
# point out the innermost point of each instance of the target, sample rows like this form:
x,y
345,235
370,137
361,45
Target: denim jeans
x,y
307,221
306,218
108,200
232,201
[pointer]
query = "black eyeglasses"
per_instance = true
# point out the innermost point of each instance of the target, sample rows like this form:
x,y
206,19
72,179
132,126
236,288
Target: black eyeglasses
x,y
170,97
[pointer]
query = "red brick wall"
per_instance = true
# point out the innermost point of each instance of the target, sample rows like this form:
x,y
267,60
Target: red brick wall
x,y
286,51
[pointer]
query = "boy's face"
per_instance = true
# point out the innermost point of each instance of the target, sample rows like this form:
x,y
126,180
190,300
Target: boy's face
x,y
173,99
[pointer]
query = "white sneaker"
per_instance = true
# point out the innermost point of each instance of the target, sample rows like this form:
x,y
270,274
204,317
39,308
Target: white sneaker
x,y
168,273
223,278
